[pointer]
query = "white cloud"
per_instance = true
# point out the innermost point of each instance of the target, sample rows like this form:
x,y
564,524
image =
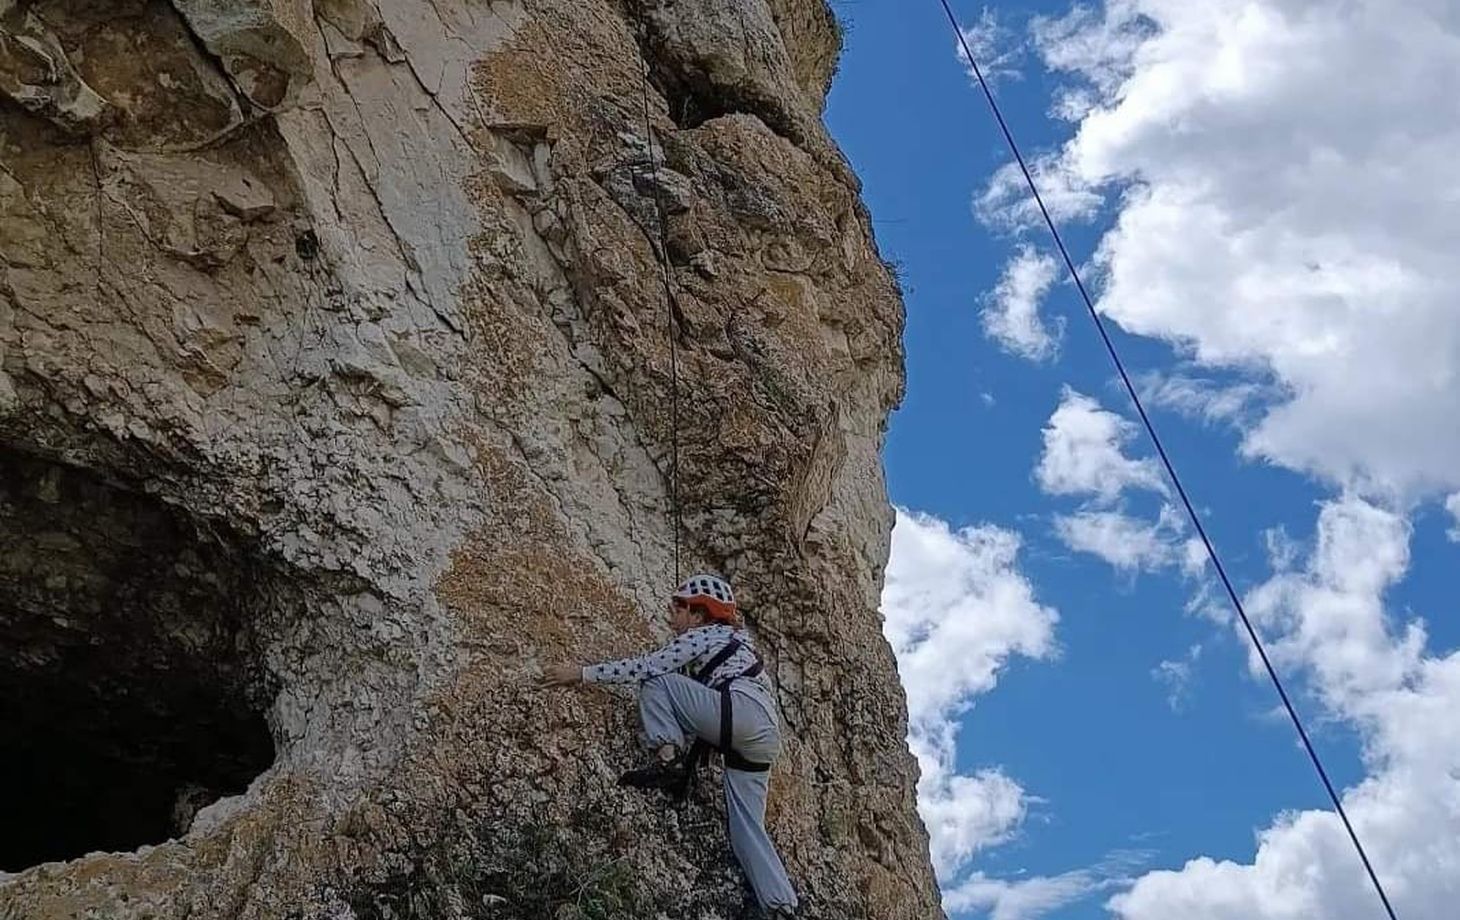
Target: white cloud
x,y
1176,675
1452,504
1277,216
1032,898
1204,399
1011,316
1083,453
997,49
1123,541
1006,202
1101,49
1328,618
1283,551
963,814
956,609
1194,558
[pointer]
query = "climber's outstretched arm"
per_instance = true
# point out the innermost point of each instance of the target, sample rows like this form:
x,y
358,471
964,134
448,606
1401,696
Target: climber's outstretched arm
x,y
678,653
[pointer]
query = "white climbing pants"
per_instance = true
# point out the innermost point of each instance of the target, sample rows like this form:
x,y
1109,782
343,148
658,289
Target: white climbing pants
x,y
675,709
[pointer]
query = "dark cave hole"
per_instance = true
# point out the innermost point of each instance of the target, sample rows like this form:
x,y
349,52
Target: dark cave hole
x,y
130,694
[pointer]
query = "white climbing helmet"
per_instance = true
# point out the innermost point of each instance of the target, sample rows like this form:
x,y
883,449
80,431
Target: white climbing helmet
x,y
710,592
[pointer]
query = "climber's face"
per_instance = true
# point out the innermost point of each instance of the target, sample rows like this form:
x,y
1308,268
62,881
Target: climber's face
x,y
681,618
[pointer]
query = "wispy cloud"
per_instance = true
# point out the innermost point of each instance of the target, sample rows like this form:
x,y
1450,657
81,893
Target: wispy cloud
x,y
998,49
1006,205
1202,398
1176,675
1122,540
1032,898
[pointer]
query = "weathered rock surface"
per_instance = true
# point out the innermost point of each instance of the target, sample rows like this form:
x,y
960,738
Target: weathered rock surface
x,y
335,401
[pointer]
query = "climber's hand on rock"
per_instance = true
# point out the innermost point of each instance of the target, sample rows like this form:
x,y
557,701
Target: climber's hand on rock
x,y
562,675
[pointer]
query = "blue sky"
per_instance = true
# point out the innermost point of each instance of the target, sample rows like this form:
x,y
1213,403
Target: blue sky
x,y
1107,763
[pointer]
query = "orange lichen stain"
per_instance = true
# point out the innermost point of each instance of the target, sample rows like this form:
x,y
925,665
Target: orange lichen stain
x,y
523,84
520,583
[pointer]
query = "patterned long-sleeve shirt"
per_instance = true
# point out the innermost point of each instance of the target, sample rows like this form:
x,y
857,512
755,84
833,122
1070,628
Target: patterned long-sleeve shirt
x,y
691,649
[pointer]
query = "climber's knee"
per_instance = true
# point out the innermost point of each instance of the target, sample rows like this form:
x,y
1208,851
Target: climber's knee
x,y
665,683
657,693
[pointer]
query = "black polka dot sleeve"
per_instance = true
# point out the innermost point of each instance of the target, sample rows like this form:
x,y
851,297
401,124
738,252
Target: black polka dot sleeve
x,y
686,648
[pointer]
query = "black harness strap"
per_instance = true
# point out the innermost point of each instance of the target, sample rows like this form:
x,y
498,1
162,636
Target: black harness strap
x,y
726,652
727,712
733,760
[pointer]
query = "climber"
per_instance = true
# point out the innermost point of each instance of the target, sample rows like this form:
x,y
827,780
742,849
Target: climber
x,y
725,703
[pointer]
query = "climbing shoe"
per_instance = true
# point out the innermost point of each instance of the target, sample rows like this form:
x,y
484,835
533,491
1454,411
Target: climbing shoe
x,y
670,777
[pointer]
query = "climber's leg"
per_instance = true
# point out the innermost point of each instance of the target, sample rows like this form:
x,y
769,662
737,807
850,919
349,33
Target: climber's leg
x,y
745,795
675,710
757,738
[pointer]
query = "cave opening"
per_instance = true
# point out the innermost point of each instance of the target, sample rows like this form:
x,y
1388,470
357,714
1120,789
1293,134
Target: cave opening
x,y
131,692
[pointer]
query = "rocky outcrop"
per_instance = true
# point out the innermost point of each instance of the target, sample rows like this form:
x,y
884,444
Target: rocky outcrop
x,y
337,397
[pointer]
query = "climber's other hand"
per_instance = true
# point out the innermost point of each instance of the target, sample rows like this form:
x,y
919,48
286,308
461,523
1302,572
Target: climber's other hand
x,y
562,675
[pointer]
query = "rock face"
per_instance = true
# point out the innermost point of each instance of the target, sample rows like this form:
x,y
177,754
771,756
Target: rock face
x,y
337,398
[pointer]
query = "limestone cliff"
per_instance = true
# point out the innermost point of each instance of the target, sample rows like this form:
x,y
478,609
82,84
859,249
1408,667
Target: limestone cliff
x,y
335,401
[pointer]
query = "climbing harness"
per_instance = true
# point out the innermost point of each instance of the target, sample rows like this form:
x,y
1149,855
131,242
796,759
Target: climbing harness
x,y
727,719
1195,518
699,752
670,305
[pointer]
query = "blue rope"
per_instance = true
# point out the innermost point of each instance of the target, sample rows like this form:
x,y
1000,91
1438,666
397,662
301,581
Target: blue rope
x,y
1166,462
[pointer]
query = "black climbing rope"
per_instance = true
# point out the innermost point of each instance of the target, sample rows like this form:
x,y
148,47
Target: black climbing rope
x,y
670,306
1166,460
